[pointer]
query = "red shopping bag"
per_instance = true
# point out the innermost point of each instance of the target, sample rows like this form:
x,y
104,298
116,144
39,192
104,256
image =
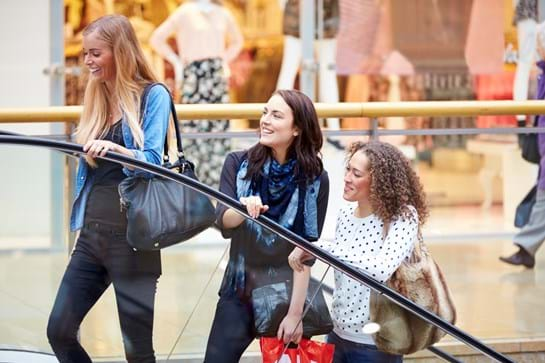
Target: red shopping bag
x,y
308,351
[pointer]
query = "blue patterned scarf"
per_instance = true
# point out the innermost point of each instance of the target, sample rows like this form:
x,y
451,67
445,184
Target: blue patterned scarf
x,y
292,204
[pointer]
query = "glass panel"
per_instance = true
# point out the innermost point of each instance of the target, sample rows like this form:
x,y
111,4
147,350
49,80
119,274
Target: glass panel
x,y
25,194
30,269
192,273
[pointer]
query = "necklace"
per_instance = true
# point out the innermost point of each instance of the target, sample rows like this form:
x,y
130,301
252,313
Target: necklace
x,y
111,117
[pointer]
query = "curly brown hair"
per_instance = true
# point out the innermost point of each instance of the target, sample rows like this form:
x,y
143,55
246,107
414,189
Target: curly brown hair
x,y
394,184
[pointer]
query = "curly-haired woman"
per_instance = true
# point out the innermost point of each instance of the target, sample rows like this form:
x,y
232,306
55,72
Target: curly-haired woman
x,y
386,190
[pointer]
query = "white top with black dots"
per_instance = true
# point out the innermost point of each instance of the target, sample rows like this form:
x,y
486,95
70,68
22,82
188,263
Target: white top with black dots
x,y
358,242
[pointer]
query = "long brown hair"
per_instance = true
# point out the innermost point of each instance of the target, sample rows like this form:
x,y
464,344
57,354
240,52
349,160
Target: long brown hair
x,y
394,183
305,147
132,75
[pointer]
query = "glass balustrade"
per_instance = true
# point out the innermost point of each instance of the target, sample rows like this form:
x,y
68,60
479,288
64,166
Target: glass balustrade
x,y
494,302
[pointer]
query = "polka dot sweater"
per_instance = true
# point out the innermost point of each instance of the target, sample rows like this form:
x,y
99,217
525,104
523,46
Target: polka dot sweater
x,y
358,242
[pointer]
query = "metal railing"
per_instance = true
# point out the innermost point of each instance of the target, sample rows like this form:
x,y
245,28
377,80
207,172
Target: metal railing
x,y
348,109
372,110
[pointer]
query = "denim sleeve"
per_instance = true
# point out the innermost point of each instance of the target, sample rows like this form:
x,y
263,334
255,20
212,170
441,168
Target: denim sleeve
x,y
154,126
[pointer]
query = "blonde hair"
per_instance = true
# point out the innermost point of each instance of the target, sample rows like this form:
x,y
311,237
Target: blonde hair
x,y
132,74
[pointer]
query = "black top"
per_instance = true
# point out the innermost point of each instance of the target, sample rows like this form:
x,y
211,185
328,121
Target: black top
x,y
109,172
251,263
103,204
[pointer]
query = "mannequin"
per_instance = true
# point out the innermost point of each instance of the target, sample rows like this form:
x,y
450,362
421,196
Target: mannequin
x,y
207,21
395,66
328,90
526,22
485,51
369,25
200,73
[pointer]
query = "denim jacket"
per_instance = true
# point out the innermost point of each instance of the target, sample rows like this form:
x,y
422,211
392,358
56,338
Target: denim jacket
x,y
154,126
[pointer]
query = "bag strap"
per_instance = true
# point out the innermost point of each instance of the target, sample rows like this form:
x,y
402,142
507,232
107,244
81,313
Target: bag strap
x,y
385,228
143,105
418,246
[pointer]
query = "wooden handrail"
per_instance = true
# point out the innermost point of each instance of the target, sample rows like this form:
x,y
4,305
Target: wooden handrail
x,y
253,110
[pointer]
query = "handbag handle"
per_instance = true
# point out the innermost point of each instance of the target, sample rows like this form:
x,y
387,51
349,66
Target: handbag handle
x,y
143,102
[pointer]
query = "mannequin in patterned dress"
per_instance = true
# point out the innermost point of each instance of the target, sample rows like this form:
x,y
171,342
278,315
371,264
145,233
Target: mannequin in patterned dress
x,y
201,73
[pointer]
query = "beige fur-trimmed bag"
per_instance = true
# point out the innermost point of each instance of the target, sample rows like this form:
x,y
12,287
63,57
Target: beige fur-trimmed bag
x,y
420,280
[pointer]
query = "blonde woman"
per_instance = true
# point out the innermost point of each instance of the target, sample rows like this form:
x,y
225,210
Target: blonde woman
x,y
111,121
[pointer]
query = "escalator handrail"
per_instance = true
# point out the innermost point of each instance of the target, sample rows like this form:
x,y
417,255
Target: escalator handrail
x,y
269,224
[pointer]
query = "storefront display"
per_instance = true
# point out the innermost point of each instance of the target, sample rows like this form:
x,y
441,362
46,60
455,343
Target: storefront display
x,y
369,51
208,39
432,39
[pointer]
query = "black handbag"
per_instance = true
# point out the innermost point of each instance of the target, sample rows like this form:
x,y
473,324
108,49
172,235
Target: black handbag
x,y
270,305
160,211
529,146
524,209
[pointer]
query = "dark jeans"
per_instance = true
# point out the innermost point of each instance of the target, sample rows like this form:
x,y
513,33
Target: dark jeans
x,y
103,256
232,331
351,352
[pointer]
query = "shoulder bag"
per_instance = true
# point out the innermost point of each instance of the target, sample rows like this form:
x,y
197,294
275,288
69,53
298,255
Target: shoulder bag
x,y
529,146
420,280
270,305
524,209
160,211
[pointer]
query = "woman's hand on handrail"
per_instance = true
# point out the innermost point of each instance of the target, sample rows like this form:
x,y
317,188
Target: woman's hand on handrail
x,y
254,206
297,258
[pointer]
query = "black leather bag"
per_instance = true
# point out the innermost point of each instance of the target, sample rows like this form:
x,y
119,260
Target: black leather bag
x,y
162,212
271,303
529,146
524,209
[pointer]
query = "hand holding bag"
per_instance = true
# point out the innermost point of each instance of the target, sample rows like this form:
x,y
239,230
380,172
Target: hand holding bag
x,y
420,280
162,212
271,304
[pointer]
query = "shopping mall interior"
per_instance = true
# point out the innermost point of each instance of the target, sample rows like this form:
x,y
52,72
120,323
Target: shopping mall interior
x,y
363,51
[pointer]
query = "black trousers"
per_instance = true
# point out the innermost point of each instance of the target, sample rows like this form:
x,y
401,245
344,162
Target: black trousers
x,y
232,331
103,256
